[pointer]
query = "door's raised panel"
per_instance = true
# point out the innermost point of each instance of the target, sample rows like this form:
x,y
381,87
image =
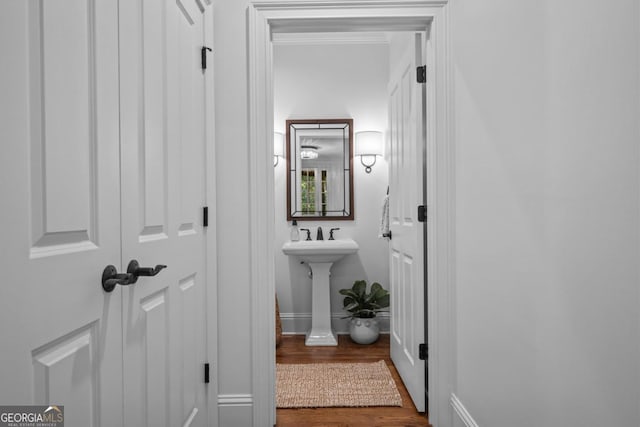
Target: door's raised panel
x,y
407,141
191,418
188,345
191,127
408,303
62,116
394,214
154,310
396,299
65,373
189,10
153,141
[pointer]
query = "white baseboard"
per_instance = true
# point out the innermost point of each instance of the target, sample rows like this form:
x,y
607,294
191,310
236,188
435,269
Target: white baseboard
x,y
235,410
461,412
300,323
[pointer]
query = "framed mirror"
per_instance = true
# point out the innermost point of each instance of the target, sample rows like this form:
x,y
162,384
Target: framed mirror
x,y
320,169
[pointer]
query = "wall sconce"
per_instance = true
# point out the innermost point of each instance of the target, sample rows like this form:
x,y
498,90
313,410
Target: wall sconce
x,y
278,147
368,147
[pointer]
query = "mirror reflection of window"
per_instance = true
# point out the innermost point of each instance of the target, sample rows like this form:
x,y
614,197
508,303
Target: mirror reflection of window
x,y
308,191
323,193
313,188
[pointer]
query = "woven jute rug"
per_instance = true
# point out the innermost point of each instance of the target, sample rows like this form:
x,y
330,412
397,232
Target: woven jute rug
x,y
319,385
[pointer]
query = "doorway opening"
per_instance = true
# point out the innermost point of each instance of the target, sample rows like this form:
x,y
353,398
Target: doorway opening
x,y
371,79
267,18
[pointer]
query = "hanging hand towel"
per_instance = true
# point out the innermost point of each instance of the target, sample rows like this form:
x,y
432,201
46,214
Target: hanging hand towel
x,y
384,221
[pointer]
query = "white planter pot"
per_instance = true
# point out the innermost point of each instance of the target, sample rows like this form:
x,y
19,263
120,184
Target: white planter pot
x,y
364,331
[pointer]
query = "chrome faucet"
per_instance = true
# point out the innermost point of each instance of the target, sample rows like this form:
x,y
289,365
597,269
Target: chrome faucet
x,y
319,235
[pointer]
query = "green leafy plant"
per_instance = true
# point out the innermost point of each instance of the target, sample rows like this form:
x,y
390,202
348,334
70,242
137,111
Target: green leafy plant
x,y
365,305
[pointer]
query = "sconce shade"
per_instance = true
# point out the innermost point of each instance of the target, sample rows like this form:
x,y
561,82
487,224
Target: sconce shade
x,y
368,143
368,146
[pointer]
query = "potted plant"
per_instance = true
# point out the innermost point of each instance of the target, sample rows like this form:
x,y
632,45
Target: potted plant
x,y
363,308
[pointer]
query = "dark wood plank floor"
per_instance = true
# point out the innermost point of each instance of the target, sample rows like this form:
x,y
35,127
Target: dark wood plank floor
x,y
293,350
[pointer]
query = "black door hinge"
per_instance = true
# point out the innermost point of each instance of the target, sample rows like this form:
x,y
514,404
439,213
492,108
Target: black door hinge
x,y
205,216
422,213
422,74
206,373
423,352
203,56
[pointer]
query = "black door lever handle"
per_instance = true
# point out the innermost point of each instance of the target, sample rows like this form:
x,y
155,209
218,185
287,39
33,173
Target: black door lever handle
x,y
136,271
111,278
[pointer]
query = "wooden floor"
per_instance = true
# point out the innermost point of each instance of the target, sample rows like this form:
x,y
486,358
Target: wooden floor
x,y
293,350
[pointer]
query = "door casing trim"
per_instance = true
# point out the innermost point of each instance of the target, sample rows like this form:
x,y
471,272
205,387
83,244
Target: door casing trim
x,y
267,16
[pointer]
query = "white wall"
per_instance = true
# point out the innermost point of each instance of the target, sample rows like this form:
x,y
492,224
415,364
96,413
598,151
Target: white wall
x,y
332,81
547,189
547,211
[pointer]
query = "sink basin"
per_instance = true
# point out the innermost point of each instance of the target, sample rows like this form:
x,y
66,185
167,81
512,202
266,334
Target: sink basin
x,y
313,251
320,256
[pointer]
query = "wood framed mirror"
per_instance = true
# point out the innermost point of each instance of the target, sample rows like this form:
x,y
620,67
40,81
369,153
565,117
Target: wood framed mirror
x,y
320,169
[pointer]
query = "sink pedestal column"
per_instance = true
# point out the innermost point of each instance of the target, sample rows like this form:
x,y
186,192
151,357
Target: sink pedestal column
x,y
320,333
320,255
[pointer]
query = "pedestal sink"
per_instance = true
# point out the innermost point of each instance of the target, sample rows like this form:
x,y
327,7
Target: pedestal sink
x,y
320,256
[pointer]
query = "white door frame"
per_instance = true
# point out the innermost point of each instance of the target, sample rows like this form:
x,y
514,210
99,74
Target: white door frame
x,y
267,16
211,235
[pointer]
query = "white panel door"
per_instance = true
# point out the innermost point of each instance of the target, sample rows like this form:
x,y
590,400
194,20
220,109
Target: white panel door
x,y
59,180
163,193
406,117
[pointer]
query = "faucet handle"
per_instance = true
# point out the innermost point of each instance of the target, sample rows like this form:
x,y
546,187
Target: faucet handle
x,y
331,233
308,233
